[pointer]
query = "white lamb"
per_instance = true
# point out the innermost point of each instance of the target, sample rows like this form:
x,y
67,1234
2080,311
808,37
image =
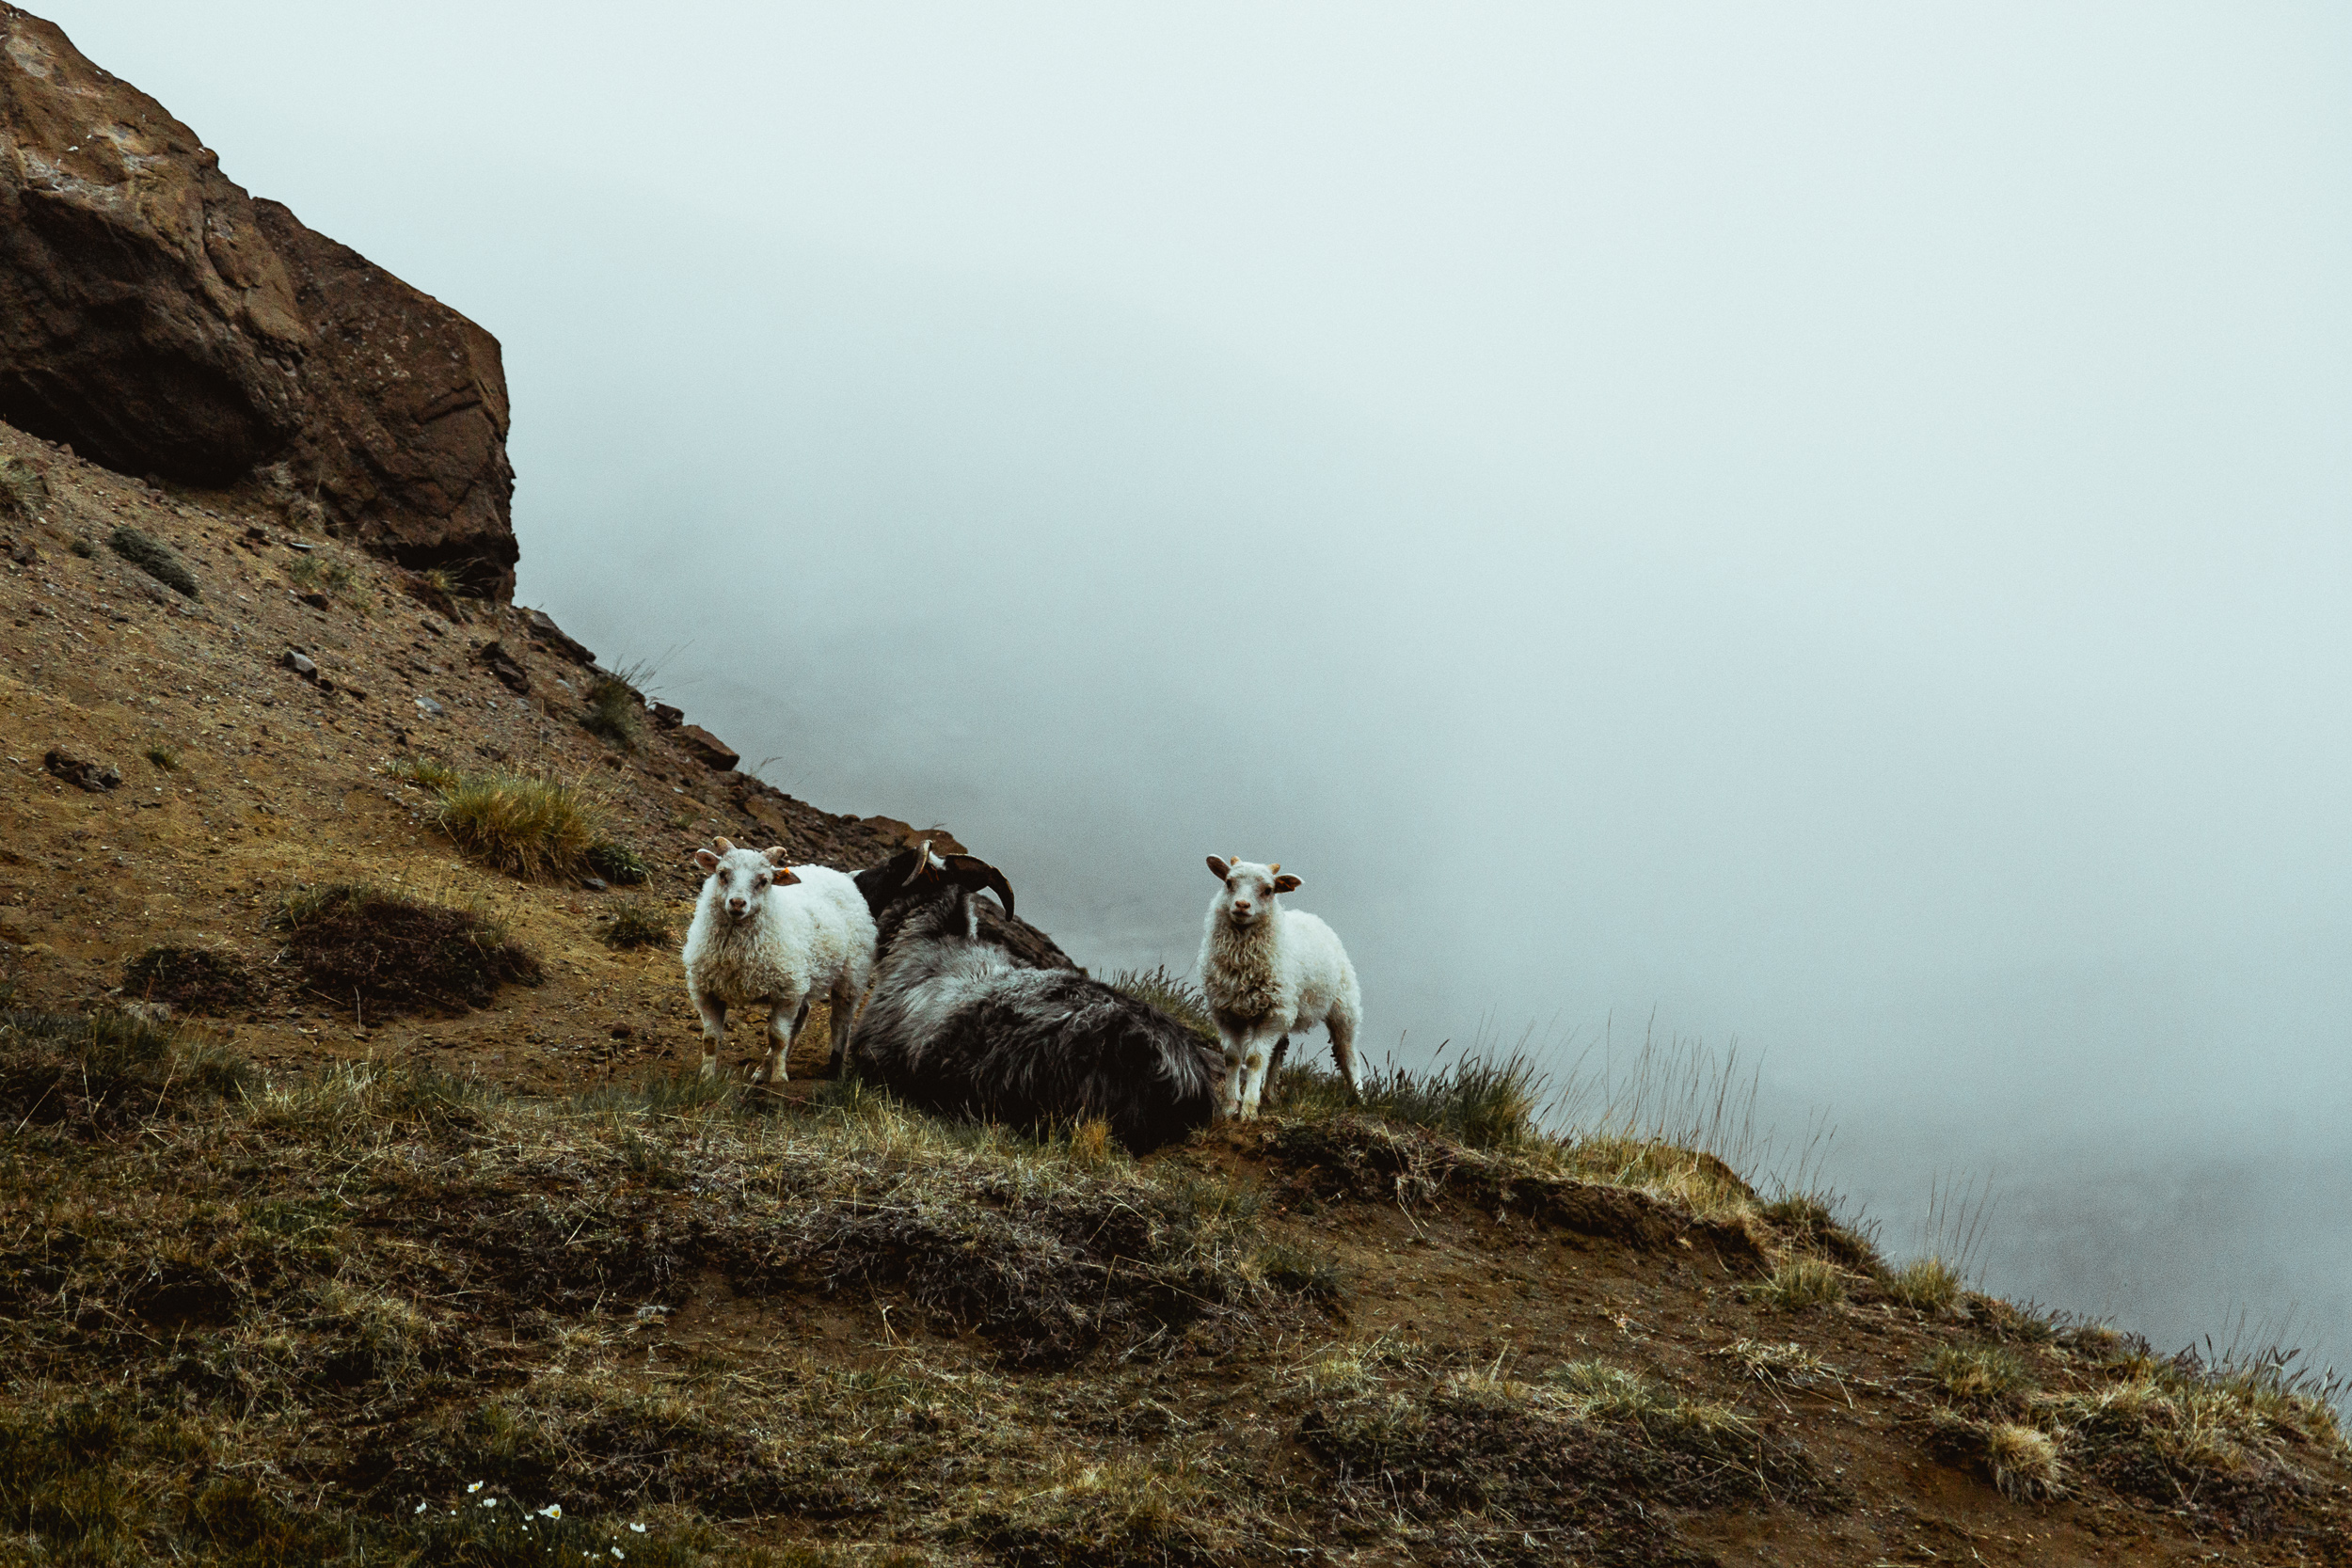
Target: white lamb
x,y
1270,972
764,932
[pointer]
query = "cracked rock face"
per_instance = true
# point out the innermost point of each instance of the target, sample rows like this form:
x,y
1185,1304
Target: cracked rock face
x,y
161,321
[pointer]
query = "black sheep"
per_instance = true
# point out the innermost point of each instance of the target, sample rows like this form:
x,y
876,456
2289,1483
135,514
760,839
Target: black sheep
x,y
955,1025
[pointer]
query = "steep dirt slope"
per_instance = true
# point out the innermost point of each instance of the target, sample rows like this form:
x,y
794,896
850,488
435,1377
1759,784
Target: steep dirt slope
x,y
283,781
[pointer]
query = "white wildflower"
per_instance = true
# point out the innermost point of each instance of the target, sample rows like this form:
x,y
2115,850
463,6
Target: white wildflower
x,y
420,1508
553,1510
475,1487
489,1502
637,1528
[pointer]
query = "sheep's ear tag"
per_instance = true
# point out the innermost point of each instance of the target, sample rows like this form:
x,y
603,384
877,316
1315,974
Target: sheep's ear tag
x,y
1285,884
1218,868
786,877
704,859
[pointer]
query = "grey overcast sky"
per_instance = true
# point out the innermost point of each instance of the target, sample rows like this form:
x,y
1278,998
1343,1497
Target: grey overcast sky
x,y
1821,525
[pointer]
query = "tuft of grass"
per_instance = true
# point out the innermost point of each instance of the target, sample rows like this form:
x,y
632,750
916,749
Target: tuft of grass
x,y
1172,994
195,979
155,558
24,489
164,758
1479,1101
527,825
1799,1283
1811,1222
659,1094
1779,1367
2020,1459
386,953
1925,1285
1301,1273
317,571
615,712
2025,1462
618,864
440,589
425,773
1117,1515
101,1070
2006,1319
1588,1458
1984,1374
636,923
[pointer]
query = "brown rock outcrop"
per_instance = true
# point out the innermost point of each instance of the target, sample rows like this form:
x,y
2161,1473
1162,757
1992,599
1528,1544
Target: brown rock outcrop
x,y
404,433
143,316
164,322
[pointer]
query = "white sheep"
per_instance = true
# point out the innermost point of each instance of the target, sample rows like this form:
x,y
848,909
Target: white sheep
x,y
764,932
1269,971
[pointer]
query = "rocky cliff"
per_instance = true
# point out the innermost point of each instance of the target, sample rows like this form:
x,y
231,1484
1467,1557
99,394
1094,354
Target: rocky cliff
x,y
161,321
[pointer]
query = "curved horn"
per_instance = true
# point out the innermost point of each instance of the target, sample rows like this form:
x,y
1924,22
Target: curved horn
x,y
974,872
726,847
922,862
1276,866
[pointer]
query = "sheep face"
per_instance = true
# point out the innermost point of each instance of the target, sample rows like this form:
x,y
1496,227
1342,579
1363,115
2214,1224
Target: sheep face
x,y
739,880
1250,891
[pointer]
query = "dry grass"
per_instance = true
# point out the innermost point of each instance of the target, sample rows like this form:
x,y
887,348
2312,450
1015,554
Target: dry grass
x,y
1781,1367
1577,1463
476,1283
2025,1460
528,825
1925,1285
1172,994
1799,1283
636,923
1981,1373
615,711
318,571
1478,1102
523,824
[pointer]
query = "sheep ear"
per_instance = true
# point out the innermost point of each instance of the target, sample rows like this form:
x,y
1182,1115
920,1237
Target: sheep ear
x,y
1284,884
773,854
972,872
704,859
727,845
1218,868
786,875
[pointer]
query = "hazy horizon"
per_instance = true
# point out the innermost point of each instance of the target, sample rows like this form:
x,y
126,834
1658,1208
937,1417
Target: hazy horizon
x,y
1824,527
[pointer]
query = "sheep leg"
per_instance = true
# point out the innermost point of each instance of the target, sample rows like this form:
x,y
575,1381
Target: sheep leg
x,y
1229,1092
1253,1064
842,1008
1342,1026
781,1034
714,1015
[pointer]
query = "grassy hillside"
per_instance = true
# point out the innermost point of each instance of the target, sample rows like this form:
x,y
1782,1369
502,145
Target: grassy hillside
x,y
352,1208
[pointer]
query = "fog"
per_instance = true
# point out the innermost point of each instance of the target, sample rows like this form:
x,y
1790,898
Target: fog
x,y
1817,527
